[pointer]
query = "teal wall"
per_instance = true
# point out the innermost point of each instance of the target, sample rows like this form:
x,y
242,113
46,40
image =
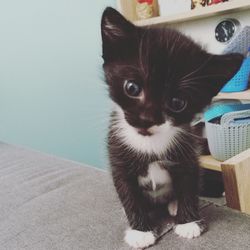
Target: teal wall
x,y
52,97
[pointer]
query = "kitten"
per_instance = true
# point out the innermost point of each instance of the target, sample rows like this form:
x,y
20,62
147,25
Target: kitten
x,y
158,80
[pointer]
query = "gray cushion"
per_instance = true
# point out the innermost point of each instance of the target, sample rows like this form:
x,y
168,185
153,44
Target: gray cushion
x,y
49,203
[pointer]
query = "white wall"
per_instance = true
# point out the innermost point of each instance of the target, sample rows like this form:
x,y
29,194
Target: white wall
x,y
52,97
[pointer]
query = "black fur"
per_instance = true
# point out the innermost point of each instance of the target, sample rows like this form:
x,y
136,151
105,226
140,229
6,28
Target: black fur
x,y
166,64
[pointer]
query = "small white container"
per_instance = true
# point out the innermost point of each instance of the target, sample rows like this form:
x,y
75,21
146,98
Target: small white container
x,y
172,7
228,139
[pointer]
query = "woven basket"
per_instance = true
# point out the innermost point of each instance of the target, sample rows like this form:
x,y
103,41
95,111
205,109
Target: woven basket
x,y
229,138
240,80
239,44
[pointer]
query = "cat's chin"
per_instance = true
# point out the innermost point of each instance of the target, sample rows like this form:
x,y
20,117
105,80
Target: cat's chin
x,y
144,131
154,130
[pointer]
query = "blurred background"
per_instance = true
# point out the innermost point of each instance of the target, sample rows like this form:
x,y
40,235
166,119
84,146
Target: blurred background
x,y
52,95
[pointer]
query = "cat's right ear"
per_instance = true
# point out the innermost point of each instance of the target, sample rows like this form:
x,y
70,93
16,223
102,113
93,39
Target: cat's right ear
x,y
117,33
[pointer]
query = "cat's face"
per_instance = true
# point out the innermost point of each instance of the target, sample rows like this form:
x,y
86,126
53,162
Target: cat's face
x,y
157,75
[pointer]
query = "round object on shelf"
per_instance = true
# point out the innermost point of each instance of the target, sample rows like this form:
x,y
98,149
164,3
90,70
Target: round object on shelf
x,y
226,30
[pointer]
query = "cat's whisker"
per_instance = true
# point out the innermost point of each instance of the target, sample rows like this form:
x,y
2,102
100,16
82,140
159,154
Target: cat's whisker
x,y
179,147
185,151
201,77
198,69
181,144
193,135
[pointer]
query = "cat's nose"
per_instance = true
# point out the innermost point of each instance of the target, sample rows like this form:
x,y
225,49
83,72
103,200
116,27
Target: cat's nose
x,y
150,121
146,121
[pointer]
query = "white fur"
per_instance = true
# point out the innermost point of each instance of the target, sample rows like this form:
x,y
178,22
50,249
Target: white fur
x,y
112,30
139,239
161,138
188,230
156,174
173,208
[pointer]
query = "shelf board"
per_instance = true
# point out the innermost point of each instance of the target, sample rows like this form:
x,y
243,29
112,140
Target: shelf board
x,y
244,95
208,162
218,9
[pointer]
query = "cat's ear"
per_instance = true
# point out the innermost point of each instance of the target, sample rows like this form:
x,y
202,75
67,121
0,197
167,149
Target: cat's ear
x,y
117,32
220,69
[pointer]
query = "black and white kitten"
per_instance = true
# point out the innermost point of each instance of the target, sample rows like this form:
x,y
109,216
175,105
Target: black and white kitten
x,y
158,79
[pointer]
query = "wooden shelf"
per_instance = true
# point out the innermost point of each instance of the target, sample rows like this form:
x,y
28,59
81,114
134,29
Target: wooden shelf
x,y
208,162
244,95
236,174
218,9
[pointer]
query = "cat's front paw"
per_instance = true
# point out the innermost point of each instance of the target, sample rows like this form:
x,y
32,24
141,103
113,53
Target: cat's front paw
x,y
138,239
189,230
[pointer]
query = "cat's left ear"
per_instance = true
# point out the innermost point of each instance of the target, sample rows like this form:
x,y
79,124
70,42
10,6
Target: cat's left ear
x,y
220,69
117,33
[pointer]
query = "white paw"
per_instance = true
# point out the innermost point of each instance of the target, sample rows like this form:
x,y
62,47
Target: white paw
x,y
173,208
139,239
188,230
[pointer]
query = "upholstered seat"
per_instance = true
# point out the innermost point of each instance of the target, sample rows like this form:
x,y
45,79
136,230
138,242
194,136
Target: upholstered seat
x,y
48,203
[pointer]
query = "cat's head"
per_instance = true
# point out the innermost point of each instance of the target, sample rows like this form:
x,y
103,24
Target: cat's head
x,y
158,74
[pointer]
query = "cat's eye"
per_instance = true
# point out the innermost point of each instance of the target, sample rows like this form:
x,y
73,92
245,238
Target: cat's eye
x,y
132,89
178,104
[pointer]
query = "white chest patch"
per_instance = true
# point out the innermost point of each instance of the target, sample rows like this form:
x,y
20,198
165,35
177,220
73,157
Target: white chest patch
x,y
162,136
158,181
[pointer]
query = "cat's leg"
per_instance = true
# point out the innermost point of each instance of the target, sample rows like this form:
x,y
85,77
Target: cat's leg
x,y
185,210
184,228
140,234
188,222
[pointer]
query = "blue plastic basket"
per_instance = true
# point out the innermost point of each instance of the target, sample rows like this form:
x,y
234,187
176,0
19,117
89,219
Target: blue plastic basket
x,y
221,109
240,80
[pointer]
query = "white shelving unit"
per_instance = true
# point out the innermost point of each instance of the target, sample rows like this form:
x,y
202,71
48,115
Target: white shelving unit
x,y
127,8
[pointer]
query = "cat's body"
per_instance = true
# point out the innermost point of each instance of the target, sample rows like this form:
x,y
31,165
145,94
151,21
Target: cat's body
x,y
154,181
158,80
